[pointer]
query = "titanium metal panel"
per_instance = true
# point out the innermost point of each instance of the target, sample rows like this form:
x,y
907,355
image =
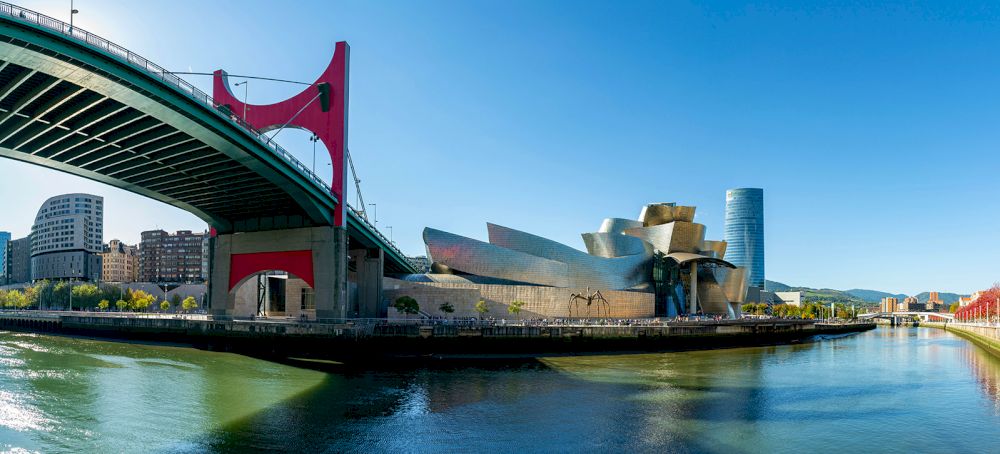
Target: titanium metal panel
x,y
677,236
662,213
734,283
684,257
584,270
618,225
711,298
717,248
476,257
611,245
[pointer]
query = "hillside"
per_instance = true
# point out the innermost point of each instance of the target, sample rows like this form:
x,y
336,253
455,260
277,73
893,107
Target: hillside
x,y
823,295
853,296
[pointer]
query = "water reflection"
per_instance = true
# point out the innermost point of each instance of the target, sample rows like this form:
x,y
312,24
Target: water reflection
x,y
986,370
849,393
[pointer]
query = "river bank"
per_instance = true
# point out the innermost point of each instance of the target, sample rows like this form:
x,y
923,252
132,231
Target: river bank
x,y
987,337
368,341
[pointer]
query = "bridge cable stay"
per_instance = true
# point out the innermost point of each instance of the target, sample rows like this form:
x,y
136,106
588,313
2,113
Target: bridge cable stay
x,y
354,173
245,77
290,120
357,187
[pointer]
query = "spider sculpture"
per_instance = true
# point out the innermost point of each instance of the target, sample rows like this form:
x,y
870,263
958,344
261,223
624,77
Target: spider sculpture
x,y
591,299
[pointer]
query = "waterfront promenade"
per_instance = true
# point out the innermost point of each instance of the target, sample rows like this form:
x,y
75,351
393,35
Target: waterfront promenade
x,y
354,338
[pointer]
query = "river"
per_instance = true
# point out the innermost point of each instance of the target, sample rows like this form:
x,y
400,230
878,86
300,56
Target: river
x,y
887,390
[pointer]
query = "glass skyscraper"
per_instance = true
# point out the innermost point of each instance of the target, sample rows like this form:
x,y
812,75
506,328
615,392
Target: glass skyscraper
x,y
745,232
4,239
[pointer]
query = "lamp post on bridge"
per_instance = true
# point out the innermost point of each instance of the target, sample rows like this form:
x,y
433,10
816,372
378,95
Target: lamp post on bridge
x,y
72,12
375,212
390,233
245,90
313,139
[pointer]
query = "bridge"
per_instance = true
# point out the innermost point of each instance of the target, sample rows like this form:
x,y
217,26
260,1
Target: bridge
x,y
925,316
75,102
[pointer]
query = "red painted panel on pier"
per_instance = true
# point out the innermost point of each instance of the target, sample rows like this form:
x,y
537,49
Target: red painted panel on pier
x,y
298,263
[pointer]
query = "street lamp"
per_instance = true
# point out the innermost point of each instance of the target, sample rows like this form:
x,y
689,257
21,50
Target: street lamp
x,y
375,211
390,232
72,12
313,139
245,89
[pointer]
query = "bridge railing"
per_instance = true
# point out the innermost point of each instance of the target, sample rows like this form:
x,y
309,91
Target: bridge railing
x,y
158,72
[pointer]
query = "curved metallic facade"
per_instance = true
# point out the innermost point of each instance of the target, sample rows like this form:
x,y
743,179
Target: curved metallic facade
x,y
716,249
662,213
677,236
662,253
618,225
584,270
611,245
484,259
745,231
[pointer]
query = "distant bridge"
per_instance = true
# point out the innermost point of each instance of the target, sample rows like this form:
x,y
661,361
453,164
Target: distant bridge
x,y
926,316
75,102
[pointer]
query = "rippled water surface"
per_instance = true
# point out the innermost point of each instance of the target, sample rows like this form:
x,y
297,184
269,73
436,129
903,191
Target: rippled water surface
x,y
888,390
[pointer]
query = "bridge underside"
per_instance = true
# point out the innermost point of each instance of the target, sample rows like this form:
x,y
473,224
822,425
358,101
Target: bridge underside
x,y
84,107
49,121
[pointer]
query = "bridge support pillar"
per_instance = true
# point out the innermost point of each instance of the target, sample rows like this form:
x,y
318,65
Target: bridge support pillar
x,y
369,264
317,255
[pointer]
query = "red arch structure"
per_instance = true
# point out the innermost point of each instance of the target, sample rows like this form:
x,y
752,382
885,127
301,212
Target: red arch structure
x,y
299,263
324,114
321,109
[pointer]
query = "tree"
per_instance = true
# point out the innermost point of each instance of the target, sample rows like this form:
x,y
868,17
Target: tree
x,y
954,307
189,303
86,295
406,305
447,308
482,308
44,295
165,306
515,308
60,295
121,305
140,300
31,296
104,305
19,300
175,300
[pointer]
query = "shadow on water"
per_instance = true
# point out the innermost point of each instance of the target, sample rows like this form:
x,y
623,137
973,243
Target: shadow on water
x,y
585,403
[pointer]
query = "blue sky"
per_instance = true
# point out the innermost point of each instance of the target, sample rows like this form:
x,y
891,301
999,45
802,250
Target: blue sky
x,y
872,126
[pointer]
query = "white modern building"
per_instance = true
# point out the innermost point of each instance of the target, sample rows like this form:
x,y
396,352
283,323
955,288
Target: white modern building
x,y
67,238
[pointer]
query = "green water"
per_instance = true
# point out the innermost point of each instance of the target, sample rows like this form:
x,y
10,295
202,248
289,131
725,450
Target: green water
x,y
888,390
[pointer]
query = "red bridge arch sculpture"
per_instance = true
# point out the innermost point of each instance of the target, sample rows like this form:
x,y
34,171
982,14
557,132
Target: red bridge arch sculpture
x,y
322,110
325,115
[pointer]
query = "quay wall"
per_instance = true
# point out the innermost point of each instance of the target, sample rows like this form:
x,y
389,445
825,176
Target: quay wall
x,y
987,337
372,342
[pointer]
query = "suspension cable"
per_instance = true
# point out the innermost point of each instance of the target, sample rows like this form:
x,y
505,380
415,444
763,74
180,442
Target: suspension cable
x,y
246,77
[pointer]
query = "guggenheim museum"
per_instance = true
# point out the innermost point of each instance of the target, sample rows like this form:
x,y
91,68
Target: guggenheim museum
x,y
657,266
